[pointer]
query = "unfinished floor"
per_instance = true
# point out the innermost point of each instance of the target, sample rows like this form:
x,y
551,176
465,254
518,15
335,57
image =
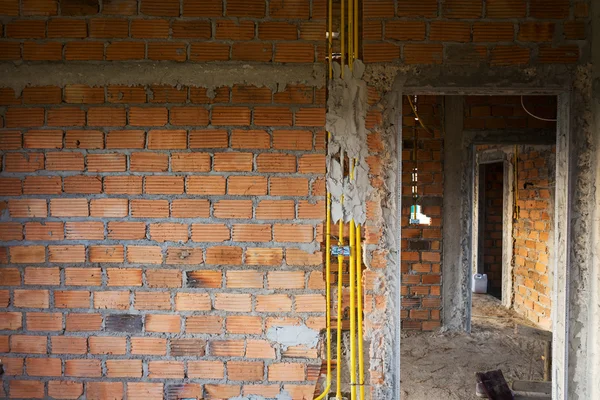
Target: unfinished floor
x,y
443,365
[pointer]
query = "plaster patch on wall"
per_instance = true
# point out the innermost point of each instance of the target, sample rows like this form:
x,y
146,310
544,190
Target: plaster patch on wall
x,y
293,335
346,115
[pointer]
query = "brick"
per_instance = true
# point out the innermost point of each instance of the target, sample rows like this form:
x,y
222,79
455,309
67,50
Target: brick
x,y
43,321
104,390
293,233
88,139
285,280
204,279
462,9
42,94
209,52
10,276
506,9
185,208
71,299
24,29
148,346
233,209
559,55
206,369
67,28
26,389
167,139
107,207
192,29
84,230
227,348
12,321
277,31
129,139
84,51
31,298
259,349
27,254
65,389
165,369
292,140
275,209
272,116
169,8
273,303
10,140
163,278
244,279
11,231
448,31
119,51
106,254
75,7
106,116
150,29
83,276
152,301
28,117
10,7
116,300
108,28
310,303
230,115
510,55
10,187
106,162
148,162
149,208
554,9
233,162
23,208
42,185
144,254
380,52
245,370
164,184
123,323
48,51
250,139
124,277
208,139
294,52
251,233
192,302
167,51
493,32
163,323
233,302
72,207
123,185
150,116
41,276
308,210
56,161
83,322
43,367
275,162
37,139
536,31
82,94
204,324
124,368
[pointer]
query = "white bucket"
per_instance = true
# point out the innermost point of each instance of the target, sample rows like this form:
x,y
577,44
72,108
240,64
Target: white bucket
x,y
480,283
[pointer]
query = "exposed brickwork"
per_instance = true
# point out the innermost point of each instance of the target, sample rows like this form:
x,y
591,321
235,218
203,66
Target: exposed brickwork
x,y
458,32
533,234
175,30
150,242
492,231
421,244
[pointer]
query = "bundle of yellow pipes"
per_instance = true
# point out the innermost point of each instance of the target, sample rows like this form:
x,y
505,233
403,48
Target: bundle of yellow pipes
x,y
355,238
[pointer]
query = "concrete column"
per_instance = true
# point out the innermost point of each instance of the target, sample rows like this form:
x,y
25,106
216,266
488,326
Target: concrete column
x,y
456,298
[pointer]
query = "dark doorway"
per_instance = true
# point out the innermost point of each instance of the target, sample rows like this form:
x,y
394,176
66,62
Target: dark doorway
x,y
491,207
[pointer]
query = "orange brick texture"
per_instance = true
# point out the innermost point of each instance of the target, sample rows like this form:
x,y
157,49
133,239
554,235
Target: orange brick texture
x,y
421,244
492,229
280,31
533,232
152,235
472,32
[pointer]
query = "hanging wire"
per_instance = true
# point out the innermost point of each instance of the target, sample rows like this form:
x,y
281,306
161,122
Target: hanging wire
x,y
535,116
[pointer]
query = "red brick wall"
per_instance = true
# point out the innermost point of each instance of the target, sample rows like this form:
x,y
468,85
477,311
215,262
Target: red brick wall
x,y
140,230
421,244
533,234
492,230
176,30
458,32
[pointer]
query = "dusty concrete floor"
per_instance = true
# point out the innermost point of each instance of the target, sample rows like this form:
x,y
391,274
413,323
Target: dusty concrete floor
x,y
443,365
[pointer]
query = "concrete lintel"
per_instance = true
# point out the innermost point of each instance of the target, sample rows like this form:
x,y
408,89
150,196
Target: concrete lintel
x,y
209,75
509,137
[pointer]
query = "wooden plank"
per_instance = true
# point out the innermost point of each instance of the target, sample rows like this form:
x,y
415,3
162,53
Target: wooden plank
x,y
532,387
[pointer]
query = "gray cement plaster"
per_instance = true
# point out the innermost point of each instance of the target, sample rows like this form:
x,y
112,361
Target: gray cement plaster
x,y
209,75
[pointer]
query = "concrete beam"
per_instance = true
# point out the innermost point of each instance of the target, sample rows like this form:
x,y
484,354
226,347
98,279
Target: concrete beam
x,y
209,75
